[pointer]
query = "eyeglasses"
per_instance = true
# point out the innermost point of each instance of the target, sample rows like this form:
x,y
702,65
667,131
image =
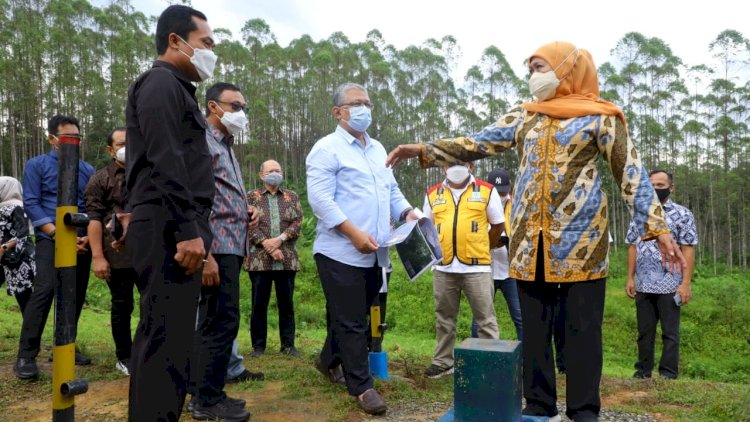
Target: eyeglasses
x,y
236,106
358,104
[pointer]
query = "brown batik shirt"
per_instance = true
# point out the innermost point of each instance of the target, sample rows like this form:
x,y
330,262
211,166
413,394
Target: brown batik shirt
x,y
278,213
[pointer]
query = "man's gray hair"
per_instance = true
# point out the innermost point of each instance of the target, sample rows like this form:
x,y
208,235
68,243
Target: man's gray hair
x,y
338,95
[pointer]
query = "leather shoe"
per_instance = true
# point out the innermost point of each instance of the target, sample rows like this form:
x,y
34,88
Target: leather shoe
x,y
223,411
256,353
81,359
26,369
291,351
335,375
371,402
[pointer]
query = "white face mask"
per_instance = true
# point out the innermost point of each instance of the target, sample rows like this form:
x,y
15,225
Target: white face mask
x,y
544,85
235,122
120,155
457,174
203,59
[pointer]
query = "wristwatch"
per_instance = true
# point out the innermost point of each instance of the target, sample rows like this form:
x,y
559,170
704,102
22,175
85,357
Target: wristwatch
x,y
283,237
4,246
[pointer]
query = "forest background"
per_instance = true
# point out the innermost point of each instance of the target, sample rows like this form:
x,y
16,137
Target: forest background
x,y
71,57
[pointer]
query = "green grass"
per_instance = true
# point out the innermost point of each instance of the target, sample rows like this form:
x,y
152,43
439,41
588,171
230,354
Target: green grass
x,y
715,356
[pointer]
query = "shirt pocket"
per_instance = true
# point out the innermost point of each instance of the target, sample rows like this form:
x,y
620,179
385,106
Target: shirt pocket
x,y
477,244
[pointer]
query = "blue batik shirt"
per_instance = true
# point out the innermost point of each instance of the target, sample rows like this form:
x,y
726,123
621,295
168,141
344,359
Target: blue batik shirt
x,y
650,274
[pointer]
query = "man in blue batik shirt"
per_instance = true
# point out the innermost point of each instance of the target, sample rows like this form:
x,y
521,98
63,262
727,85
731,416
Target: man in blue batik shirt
x,y
40,203
659,293
354,196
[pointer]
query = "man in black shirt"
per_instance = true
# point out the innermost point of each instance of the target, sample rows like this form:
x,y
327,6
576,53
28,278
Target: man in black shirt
x,y
170,186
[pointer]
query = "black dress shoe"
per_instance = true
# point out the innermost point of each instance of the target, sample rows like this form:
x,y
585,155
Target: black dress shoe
x,y
335,375
81,359
291,351
26,369
257,353
640,375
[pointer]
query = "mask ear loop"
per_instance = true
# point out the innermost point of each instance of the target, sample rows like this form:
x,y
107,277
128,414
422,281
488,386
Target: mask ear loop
x,y
578,54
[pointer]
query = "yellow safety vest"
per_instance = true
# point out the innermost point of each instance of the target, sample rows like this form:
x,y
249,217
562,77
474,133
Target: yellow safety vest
x,y
465,237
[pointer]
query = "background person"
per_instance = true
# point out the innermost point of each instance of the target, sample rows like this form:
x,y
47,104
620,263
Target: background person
x,y
16,246
462,208
40,203
272,257
654,289
104,197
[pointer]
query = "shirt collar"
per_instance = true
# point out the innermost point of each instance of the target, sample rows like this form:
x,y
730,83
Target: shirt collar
x,y
187,83
113,168
219,136
349,138
266,191
471,180
668,205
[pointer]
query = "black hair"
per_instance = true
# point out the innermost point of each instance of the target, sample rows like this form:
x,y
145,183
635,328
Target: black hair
x,y
110,140
178,19
59,119
669,175
213,93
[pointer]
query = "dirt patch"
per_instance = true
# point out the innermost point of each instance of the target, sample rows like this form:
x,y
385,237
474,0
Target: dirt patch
x,y
108,401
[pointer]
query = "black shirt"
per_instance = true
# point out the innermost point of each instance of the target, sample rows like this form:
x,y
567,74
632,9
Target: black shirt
x,y
167,157
104,196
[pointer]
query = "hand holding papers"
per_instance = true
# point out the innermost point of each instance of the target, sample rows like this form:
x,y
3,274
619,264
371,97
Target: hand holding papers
x,y
418,246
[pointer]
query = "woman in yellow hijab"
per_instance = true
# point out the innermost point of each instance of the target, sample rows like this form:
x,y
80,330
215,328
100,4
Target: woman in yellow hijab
x,y
559,244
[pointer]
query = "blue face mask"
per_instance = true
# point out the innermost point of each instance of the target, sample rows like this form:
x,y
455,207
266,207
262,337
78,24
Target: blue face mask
x,y
359,118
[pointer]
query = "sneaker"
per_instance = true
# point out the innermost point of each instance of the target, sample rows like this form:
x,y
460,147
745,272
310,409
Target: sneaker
x,y
122,366
257,353
435,371
291,351
231,401
239,403
26,369
222,411
371,402
529,418
246,376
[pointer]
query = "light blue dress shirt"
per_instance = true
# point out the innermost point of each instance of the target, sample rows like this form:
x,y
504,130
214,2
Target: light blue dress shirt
x,y
346,181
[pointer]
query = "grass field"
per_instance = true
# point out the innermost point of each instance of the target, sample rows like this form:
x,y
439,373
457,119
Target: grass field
x,y
714,383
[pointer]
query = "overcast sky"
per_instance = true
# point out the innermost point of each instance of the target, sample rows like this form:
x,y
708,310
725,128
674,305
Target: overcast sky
x,y
516,27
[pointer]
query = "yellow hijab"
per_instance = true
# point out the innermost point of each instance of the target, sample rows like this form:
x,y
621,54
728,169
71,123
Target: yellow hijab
x,y
578,92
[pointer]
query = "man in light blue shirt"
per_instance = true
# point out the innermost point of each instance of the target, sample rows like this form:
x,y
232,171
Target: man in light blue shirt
x,y
354,196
